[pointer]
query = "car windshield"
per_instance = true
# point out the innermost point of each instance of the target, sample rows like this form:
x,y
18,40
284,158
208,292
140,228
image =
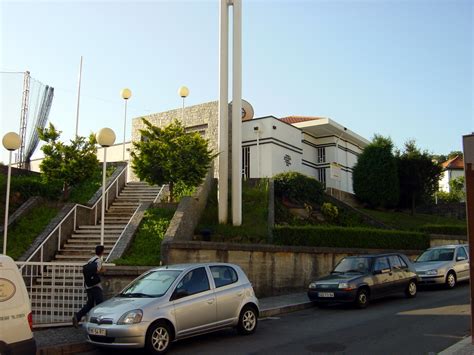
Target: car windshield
x,y
441,254
153,284
360,265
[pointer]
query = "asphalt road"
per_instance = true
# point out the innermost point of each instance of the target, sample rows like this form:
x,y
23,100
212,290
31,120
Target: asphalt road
x,y
431,322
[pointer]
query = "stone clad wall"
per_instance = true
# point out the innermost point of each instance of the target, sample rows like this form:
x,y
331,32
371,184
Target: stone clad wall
x,y
272,270
200,118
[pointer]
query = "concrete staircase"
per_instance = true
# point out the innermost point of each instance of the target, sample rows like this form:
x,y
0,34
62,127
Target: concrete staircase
x,y
81,245
59,292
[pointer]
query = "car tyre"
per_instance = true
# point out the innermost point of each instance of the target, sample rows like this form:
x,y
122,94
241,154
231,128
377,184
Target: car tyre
x,y
248,320
411,289
362,298
158,338
451,280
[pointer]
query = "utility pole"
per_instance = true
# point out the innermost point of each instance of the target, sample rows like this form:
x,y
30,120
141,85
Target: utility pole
x,y
468,146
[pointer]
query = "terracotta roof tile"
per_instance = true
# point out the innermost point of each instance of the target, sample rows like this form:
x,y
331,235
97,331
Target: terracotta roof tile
x,y
454,163
297,119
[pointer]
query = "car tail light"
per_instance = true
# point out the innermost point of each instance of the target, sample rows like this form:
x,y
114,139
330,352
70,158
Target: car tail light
x,y
30,320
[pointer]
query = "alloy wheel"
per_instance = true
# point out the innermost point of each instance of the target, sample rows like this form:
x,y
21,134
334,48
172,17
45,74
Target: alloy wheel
x,y
160,339
412,288
249,320
451,280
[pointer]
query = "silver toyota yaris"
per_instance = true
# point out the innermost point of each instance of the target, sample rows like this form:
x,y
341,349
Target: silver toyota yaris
x,y
174,302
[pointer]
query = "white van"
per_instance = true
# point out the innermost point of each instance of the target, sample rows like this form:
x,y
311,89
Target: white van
x,y
16,322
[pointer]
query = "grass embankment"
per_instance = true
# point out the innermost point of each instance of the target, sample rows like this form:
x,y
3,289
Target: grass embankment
x,y
254,228
146,246
420,222
24,232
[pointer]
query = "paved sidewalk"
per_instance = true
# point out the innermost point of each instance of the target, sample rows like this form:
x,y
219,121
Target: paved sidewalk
x,y
68,340
464,347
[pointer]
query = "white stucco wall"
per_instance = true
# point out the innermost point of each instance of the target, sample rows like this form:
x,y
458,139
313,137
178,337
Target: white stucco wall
x,y
447,176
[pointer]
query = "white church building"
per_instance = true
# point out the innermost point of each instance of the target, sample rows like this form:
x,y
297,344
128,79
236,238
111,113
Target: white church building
x,y
315,146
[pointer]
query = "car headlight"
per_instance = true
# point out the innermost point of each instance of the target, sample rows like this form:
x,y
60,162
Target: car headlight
x,y
131,317
431,272
343,285
312,285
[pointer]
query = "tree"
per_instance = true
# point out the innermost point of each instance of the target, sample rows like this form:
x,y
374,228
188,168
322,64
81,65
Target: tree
x,y
375,178
418,174
170,155
70,164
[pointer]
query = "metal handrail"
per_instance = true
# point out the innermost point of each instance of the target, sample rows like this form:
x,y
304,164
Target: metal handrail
x,y
159,193
74,209
134,213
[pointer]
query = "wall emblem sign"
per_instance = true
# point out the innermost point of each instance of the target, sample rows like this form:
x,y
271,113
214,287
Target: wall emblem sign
x,y
7,289
287,160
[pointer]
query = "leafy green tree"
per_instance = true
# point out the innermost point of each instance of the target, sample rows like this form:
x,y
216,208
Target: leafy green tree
x,y
418,174
69,164
298,188
169,155
375,178
454,153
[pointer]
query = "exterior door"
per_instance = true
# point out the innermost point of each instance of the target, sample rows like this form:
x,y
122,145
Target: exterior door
x,y
383,277
400,280
229,293
194,303
461,266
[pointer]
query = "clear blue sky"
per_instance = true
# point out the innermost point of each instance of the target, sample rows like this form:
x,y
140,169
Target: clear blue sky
x,y
398,68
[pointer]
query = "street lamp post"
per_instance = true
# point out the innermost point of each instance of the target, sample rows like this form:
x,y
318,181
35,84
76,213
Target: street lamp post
x,y
126,94
183,92
11,141
106,138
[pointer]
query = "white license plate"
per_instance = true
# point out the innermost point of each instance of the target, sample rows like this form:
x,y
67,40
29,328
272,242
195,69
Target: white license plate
x,y
97,331
325,294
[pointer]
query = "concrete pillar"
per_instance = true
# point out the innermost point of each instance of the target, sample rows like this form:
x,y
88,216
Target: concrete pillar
x,y
223,119
237,115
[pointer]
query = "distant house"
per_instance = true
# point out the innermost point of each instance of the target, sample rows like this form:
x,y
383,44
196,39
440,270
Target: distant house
x,y
315,146
452,169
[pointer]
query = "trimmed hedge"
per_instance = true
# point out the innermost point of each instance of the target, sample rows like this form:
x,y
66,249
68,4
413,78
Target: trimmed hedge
x,y
298,187
339,237
448,229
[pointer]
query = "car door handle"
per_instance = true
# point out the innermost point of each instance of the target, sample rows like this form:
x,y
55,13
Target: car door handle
x,y
210,301
240,293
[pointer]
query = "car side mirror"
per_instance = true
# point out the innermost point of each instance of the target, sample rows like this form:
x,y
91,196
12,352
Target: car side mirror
x,y
179,293
460,258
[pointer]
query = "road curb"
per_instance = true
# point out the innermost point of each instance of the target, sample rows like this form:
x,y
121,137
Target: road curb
x,y
62,349
285,309
462,347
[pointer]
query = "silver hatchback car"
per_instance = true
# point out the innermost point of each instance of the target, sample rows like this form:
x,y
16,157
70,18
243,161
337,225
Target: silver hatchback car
x,y
445,264
175,302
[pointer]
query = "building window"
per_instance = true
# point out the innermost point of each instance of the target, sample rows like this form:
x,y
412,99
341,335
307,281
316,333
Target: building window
x,y
246,162
322,176
321,155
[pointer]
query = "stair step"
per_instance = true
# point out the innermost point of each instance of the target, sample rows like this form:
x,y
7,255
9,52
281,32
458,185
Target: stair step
x,y
89,246
109,232
106,227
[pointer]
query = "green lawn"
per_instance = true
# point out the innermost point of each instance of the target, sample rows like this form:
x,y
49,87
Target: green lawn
x,y
405,221
254,228
146,246
24,232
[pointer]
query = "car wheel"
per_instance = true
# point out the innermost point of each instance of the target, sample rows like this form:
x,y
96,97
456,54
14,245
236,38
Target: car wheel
x,y
411,289
451,280
362,298
247,321
158,339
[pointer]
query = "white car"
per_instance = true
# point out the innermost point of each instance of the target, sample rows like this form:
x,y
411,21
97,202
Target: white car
x,y
16,336
447,264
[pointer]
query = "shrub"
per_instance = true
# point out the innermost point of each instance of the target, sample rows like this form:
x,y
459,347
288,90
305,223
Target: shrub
x,y
298,188
28,186
375,177
329,211
447,229
339,237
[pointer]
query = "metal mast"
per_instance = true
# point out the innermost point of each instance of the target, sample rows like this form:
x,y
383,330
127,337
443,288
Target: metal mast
x,y
24,119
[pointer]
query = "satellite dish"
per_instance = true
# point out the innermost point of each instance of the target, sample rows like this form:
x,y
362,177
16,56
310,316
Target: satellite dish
x,y
247,111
